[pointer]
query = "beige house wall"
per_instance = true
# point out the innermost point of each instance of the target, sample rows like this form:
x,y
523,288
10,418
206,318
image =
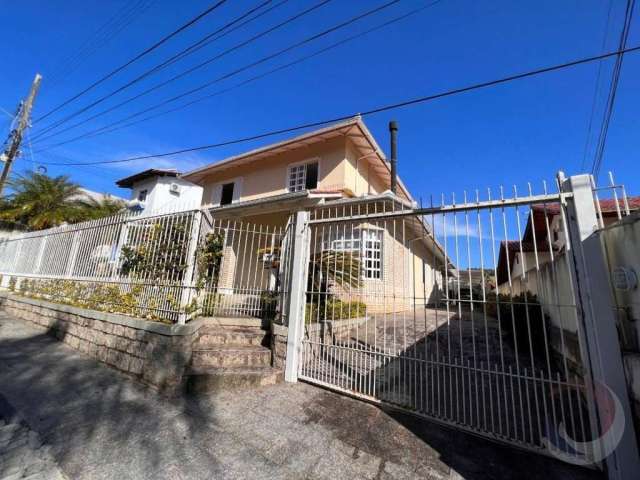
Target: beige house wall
x,y
409,278
269,176
359,175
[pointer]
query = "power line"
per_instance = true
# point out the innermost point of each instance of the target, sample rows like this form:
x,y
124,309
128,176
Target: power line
x,y
175,58
118,124
596,90
124,17
604,130
373,111
170,80
245,67
207,39
148,50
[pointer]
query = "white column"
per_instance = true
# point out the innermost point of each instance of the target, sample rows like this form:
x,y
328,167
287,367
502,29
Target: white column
x,y
188,278
598,333
297,291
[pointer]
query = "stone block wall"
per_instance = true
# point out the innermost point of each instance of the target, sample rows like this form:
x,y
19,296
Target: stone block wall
x,y
335,328
154,353
279,334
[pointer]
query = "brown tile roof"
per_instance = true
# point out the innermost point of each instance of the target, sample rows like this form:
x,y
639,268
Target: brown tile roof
x,y
128,182
607,205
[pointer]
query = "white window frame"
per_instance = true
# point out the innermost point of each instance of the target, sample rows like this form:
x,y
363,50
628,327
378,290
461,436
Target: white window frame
x,y
304,181
372,272
357,243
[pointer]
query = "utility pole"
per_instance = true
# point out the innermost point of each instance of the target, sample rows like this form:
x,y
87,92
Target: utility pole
x,y
15,137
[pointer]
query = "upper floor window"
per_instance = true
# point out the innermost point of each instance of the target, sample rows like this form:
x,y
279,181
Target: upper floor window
x,y
142,195
227,192
226,197
303,177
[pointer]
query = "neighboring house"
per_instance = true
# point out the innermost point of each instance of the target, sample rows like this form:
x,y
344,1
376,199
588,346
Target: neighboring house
x,y
97,195
161,189
518,257
472,283
342,166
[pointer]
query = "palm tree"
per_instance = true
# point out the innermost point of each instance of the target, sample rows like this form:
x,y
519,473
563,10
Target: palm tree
x,y
40,201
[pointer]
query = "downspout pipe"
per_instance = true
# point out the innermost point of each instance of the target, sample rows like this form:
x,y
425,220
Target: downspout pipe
x,y
393,130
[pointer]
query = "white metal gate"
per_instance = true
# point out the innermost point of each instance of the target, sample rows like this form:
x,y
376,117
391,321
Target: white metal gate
x,y
465,313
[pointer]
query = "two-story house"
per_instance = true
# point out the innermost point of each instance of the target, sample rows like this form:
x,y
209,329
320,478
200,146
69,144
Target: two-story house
x,y
155,189
337,166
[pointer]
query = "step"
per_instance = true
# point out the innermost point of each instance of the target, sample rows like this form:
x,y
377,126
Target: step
x,y
236,322
215,336
215,379
231,356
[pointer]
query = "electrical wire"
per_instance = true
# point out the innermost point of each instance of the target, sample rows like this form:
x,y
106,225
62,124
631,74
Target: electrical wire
x,y
101,37
117,125
604,130
587,142
373,111
241,69
165,82
145,52
206,40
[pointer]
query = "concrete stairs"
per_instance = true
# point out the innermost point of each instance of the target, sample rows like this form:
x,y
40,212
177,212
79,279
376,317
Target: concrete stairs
x,y
231,354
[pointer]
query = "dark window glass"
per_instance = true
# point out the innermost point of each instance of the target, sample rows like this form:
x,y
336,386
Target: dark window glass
x,y
312,176
142,196
227,194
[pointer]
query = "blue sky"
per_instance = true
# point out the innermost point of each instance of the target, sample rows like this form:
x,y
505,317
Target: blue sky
x,y
511,134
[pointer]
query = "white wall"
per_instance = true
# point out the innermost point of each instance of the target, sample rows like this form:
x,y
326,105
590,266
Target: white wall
x,y
621,244
160,197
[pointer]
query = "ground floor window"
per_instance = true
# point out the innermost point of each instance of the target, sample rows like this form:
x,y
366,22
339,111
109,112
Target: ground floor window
x,y
365,242
372,253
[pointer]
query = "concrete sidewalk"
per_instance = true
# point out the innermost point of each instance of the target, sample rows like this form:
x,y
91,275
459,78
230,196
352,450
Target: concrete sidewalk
x,y
98,424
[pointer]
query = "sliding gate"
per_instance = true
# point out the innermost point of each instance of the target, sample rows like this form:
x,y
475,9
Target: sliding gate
x,y
462,312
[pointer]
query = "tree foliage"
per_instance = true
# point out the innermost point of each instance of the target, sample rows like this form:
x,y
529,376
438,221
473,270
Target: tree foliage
x,y
158,252
39,201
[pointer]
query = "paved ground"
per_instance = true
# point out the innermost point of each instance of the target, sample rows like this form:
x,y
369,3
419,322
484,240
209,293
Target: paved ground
x,y
97,424
22,453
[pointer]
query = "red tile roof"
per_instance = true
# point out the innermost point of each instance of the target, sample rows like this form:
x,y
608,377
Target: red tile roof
x,y
607,205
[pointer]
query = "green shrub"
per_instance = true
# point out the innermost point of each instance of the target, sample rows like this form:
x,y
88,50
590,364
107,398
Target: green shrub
x,y
518,316
334,309
158,251
208,303
102,297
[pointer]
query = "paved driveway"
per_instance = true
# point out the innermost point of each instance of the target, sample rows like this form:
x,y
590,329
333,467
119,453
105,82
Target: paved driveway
x,y
97,424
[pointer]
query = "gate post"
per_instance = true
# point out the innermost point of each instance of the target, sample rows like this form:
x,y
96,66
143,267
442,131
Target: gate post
x,y
187,282
599,337
297,288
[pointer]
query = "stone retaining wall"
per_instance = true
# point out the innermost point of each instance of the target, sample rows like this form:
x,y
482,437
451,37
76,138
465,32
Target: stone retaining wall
x,y
279,334
154,353
334,328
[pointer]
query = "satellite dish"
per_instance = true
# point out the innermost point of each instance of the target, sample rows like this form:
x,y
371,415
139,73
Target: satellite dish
x,y
42,169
